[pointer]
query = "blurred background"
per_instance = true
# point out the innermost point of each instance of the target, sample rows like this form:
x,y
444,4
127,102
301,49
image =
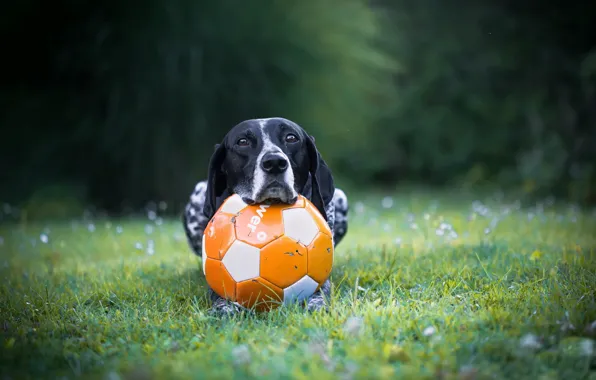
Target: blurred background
x,y
117,104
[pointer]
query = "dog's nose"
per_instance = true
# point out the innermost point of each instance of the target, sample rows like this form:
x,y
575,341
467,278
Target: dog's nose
x,y
274,163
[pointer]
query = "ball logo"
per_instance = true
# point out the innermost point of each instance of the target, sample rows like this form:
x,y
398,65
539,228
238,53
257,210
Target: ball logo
x,y
256,220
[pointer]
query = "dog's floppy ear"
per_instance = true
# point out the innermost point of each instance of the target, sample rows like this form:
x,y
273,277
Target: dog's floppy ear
x,y
216,180
322,180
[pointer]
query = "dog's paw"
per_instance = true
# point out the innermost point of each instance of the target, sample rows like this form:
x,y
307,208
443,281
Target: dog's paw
x,y
315,304
224,308
318,302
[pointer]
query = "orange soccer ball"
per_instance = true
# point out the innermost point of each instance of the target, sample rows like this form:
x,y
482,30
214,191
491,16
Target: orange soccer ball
x,y
263,256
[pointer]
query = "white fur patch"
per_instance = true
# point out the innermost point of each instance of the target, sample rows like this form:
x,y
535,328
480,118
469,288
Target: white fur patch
x,y
260,175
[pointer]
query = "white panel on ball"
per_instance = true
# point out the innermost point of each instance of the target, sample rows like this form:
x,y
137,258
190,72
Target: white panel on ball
x,y
203,254
299,225
300,290
242,261
233,205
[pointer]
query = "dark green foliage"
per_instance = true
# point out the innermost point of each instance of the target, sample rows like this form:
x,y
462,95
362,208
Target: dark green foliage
x,y
126,100
130,98
495,92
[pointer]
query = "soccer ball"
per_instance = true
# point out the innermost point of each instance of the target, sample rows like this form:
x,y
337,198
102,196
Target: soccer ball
x,y
263,256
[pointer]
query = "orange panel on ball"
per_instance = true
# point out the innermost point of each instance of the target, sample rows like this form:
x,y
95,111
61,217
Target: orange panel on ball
x,y
318,218
219,235
300,202
320,258
219,279
259,225
283,262
259,294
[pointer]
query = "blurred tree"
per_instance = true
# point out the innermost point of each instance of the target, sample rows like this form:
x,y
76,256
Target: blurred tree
x,y
129,98
124,101
493,92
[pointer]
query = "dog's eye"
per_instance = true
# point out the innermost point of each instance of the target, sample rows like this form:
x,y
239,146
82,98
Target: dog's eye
x,y
291,138
242,142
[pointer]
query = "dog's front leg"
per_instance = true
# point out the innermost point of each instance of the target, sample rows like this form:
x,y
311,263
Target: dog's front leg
x,y
320,299
222,307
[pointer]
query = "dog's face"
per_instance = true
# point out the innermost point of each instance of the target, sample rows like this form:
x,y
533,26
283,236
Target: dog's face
x,y
268,161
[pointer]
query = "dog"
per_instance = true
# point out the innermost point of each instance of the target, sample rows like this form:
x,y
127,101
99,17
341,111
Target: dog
x,y
266,160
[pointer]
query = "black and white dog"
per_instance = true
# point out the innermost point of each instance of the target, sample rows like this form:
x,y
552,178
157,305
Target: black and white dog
x,y
266,160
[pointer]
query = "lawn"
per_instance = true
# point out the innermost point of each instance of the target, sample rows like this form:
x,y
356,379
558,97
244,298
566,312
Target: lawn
x,y
427,286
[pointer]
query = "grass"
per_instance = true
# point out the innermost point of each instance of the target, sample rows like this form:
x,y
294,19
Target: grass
x,y
426,286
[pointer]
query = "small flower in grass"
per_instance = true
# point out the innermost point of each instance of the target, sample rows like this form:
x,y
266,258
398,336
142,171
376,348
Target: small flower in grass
x,y
91,227
163,206
119,230
354,326
530,342
445,226
150,247
587,347
359,207
430,330
44,238
241,355
151,215
387,202
148,229
487,231
159,221
440,232
138,245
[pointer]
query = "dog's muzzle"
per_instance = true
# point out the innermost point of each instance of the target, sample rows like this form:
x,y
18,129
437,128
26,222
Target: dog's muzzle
x,y
277,185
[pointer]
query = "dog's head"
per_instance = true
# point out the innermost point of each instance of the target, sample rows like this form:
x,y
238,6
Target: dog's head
x,y
268,161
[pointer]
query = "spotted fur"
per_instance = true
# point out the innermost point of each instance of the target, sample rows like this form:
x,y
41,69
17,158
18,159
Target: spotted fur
x,y
195,223
301,174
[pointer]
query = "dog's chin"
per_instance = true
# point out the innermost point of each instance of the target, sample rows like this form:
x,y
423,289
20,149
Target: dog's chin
x,y
274,194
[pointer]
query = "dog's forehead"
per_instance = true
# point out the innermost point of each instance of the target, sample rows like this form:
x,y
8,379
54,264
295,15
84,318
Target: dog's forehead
x,y
267,126
272,125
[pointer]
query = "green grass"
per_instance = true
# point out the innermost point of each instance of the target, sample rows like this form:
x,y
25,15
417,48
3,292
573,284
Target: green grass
x,y
512,302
